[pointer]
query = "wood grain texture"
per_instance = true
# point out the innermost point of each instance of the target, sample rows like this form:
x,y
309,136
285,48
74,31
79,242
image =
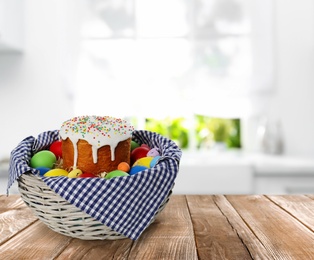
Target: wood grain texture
x,y
281,234
10,202
301,207
14,216
190,227
35,242
311,196
215,237
249,238
79,249
170,236
13,221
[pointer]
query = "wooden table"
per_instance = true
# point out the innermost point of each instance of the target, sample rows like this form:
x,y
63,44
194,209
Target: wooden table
x,y
190,227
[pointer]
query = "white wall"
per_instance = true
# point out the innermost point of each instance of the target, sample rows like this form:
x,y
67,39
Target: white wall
x,y
34,95
35,92
293,101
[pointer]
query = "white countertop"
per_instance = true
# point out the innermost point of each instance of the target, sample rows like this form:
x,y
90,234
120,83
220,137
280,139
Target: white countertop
x,y
270,165
262,164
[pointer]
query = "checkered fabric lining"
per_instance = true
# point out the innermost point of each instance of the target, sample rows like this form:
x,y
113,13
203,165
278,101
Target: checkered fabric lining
x,y
125,204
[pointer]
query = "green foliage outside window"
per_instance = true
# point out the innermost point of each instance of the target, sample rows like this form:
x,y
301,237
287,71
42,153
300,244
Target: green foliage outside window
x,y
217,130
207,131
174,129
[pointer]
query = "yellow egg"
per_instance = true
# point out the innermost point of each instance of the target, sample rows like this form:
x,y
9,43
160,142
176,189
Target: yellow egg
x,y
56,172
144,161
75,173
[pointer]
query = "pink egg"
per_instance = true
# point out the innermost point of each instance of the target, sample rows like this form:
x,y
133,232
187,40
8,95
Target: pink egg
x,y
153,152
145,145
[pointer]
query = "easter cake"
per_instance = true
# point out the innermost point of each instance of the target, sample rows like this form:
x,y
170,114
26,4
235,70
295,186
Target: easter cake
x,y
95,144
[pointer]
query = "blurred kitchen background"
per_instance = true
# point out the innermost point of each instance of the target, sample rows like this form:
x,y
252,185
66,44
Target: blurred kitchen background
x,y
231,81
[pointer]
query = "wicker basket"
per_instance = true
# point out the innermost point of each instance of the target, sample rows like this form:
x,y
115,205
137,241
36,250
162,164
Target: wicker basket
x,y
63,217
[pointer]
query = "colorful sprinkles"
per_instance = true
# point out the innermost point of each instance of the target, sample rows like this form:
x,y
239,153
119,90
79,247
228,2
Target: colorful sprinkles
x,y
97,126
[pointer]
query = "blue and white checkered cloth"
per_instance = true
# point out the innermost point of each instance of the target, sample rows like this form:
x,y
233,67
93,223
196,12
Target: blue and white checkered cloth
x,y
125,204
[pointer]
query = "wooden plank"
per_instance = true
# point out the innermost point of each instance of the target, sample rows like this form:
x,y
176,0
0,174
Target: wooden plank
x,y
311,196
215,237
299,206
13,221
88,249
280,233
10,202
170,236
14,216
252,243
35,242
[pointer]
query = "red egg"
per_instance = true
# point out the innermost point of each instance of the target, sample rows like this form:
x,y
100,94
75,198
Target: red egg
x,y
55,148
87,175
138,153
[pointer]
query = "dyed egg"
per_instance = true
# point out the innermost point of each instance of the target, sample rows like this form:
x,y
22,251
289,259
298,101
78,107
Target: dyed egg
x,y
43,159
144,161
56,173
137,168
146,146
134,145
153,152
42,170
123,166
116,173
87,175
154,161
138,153
75,173
56,148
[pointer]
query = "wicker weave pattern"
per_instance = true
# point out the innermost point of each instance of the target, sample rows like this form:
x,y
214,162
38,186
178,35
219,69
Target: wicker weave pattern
x,y
63,217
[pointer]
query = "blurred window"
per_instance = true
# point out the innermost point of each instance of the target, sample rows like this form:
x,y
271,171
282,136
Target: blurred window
x,y
177,58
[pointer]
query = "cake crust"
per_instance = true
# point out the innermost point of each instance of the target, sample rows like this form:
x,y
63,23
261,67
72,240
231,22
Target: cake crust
x,y
85,159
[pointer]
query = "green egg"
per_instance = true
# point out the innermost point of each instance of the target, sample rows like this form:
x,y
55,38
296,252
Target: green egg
x,y
116,173
134,145
43,158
